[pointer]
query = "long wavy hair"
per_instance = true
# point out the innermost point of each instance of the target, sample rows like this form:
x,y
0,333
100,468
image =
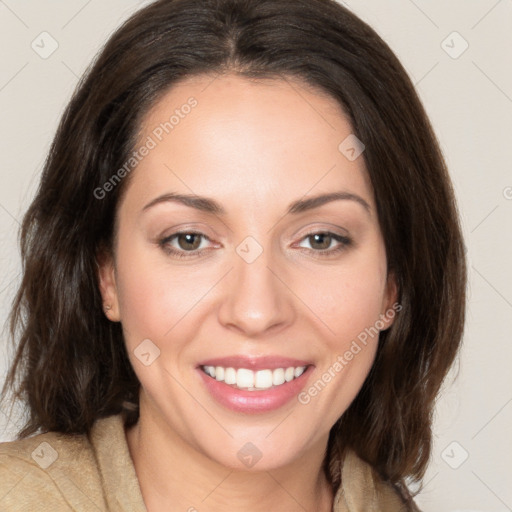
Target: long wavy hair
x,y
71,366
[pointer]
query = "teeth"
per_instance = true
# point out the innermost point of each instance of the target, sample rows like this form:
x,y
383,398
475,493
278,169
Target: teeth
x,y
230,376
219,373
278,377
298,371
244,378
254,380
263,379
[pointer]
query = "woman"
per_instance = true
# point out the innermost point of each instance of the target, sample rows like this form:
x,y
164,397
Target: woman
x,y
244,276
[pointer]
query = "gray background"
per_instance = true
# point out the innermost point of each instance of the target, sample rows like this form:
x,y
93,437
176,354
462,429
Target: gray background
x,y
468,96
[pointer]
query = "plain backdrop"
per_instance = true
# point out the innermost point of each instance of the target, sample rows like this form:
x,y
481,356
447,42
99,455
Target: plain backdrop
x,y
458,55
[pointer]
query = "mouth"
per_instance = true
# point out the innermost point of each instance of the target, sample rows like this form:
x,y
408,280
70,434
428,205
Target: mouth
x,y
254,385
250,380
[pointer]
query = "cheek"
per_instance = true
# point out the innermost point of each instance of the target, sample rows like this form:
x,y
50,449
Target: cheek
x,y
348,304
348,300
152,299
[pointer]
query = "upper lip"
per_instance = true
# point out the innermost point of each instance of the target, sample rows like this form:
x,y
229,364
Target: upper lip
x,y
254,362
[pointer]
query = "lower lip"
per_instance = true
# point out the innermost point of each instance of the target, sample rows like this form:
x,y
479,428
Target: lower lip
x,y
254,401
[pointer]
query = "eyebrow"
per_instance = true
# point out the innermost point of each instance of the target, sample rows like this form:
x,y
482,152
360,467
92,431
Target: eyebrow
x,y
208,205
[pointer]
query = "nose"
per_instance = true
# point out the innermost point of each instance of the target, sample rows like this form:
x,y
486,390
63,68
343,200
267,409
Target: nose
x,y
256,298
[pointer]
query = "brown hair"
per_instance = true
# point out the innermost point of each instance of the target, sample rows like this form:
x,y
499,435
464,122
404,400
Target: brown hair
x,y
71,362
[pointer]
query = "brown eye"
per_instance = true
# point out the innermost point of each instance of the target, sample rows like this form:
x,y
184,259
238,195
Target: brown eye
x,y
189,241
183,244
321,243
321,240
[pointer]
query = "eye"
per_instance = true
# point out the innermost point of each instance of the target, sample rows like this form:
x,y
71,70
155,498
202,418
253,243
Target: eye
x,y
188,242
323,240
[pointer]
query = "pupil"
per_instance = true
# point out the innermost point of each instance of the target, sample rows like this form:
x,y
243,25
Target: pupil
x,y
323,236
187,237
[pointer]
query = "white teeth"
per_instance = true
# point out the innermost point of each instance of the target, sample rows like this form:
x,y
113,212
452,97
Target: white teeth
x,y
230,376
298,371
263,379
244,378
278,377
254,380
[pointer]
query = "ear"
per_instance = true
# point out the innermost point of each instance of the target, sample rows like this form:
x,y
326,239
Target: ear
x,y
390,305
107,285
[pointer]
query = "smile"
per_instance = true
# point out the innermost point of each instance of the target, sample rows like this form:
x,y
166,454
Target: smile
x,y
254,384
244,378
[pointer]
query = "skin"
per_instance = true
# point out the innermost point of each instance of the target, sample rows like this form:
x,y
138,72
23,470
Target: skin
x,y
254,147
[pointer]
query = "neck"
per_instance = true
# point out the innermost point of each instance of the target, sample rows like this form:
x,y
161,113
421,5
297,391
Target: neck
x,y
174,476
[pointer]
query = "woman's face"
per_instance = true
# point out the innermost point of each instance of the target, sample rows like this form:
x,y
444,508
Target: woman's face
x,y
253,286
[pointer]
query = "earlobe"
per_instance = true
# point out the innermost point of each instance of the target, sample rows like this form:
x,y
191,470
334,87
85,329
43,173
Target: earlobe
x,y
107,285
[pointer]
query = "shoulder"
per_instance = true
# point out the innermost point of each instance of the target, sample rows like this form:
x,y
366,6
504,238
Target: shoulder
x,y
362,489
50,471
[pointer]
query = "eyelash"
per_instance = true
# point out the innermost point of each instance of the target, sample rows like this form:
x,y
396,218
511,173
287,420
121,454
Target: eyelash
x,y
164,244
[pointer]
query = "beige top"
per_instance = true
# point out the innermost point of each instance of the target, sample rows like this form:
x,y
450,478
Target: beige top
x,y
53,472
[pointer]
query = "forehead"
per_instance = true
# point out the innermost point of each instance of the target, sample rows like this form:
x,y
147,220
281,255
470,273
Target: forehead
x,y
246,142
